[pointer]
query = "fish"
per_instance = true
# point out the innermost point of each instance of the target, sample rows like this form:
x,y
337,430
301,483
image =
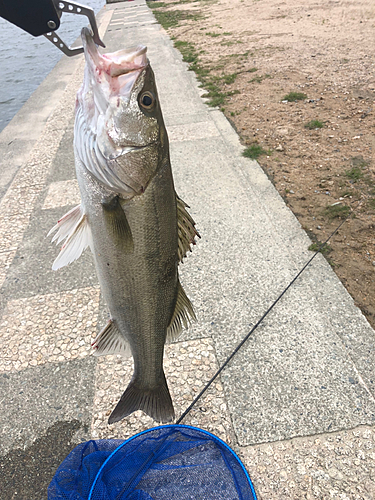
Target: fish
x,y
130,216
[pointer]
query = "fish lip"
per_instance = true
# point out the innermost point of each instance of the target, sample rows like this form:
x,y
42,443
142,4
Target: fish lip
x,y
116,63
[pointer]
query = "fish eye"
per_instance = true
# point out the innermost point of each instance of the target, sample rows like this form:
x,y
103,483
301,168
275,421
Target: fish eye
x,y
147,100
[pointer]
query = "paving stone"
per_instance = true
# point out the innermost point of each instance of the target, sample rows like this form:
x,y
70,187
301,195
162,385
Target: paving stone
x,y
6,258
338,466
27,471
61,194
192,131
12,228
188,366
39,396
48,328
30,272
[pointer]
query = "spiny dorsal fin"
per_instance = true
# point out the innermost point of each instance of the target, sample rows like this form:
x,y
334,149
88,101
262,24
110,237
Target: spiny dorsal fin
x,y
186,229
74,229
110,341
182,316
118,223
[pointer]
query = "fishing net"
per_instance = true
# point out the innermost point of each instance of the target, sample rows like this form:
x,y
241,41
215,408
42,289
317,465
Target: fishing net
x,y
171,462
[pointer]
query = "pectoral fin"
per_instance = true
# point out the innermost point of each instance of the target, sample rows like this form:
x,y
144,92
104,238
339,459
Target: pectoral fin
x,y
182,316
186,229
74,229
110,341
118,223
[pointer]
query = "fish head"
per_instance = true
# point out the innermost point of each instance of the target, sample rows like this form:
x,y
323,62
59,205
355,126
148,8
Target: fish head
x,y
119,102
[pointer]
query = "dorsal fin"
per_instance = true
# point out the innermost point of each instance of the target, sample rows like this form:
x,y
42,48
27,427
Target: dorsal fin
x,y
186,229
110,341
74,229
182,316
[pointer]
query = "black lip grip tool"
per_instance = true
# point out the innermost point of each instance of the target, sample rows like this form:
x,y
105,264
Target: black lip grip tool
x,y
42,17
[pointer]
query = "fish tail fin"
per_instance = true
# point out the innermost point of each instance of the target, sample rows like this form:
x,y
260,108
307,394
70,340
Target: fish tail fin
x,y
157,403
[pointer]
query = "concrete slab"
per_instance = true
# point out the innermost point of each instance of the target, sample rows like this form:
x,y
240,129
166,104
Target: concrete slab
x,y
338,465
27,472
31,270
41,396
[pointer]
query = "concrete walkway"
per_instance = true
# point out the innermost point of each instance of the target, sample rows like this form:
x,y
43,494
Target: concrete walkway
x,y
297,403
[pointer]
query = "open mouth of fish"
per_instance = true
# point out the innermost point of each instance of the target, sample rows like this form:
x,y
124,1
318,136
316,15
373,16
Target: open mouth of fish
x,y
112,77
125,64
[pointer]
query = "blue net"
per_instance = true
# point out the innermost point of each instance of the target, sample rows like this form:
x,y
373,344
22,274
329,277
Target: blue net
x,y
171,462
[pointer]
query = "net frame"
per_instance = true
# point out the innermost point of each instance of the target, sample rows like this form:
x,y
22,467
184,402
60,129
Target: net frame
x,y
217,440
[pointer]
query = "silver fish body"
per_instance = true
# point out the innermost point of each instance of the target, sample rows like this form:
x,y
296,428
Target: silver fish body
x,y
131,218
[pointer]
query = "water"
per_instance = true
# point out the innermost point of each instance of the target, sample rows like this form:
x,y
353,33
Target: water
x,y
25,61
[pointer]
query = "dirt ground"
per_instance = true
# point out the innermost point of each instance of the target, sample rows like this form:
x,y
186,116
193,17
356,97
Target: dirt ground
x,y
249,55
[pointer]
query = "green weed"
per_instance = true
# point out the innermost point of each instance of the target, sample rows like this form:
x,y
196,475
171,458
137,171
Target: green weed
x,y
336,211
254,151
259,79
156,5
313,124
187,50
171,19
317,247
294,96
228,79
354,174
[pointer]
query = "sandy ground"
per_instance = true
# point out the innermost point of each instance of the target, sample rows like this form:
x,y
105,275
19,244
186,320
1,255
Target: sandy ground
x,y
257,52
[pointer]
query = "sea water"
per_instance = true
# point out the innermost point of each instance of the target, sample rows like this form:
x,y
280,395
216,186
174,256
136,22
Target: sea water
x,y
25,61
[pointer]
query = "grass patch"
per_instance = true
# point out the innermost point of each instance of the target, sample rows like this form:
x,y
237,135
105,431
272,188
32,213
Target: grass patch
x,y
354,174
252,70
156,5
336,211
214,35
254,151
172,18
212,84
187,49
294,96
228,79
313,124
259,79
317,247
215,95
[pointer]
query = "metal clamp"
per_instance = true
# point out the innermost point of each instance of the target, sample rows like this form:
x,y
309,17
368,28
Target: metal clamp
x,y
72,8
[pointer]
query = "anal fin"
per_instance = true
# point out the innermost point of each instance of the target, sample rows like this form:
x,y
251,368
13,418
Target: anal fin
x,y
110,341
182,316
118,223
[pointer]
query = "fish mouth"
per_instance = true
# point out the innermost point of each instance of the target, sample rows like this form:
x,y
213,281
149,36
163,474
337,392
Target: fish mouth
x,y
117,71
